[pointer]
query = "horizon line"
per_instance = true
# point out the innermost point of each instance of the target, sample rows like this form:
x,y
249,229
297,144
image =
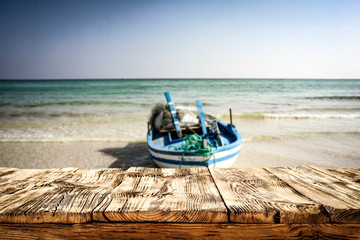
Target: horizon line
x,y
175,78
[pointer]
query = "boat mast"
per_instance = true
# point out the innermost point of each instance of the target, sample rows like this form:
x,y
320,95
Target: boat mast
x,y
173,114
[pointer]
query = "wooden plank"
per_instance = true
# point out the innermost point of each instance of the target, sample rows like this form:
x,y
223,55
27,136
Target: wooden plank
x,y
21,191
258,196
90,190
166,195
340,174
55,195
140,194
337,192
272,195
179,231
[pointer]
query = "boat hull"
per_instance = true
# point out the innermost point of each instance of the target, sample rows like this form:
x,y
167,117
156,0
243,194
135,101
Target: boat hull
x,y
224,157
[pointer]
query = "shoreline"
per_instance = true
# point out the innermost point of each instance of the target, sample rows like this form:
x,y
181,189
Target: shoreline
x,y
96,155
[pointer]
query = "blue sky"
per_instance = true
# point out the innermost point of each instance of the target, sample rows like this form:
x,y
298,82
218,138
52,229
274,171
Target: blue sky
x,y
179,39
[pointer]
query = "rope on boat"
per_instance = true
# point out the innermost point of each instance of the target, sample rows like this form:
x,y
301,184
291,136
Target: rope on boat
x,y
194,142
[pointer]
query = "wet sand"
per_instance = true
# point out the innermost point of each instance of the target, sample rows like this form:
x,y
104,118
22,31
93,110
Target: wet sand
x,y
93,155
84,155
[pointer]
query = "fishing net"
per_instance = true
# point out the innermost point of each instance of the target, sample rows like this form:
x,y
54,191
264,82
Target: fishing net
x,y
194,143
188,116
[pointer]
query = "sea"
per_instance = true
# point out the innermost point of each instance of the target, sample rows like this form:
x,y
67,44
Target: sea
x,y
283,122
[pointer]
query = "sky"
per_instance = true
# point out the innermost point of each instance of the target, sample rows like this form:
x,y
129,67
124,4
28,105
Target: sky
x,y
53,39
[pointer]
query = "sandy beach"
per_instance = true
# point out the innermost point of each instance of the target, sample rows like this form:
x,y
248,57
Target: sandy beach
x,y
84,155
283,123
94,155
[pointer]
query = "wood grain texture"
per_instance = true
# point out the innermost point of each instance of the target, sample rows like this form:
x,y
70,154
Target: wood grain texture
x,y
308,195
166,195
254,195
55,195
338,190
179,231
139,194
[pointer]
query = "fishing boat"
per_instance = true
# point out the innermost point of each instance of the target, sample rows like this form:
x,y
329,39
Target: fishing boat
x,y
180,143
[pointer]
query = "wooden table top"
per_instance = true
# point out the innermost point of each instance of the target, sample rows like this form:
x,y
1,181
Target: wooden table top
x,y
290,195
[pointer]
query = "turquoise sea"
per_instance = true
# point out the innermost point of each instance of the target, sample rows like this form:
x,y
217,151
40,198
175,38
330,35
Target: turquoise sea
x,y
284,122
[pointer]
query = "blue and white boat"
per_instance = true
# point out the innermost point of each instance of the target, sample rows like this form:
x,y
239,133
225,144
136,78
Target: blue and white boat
x,y
209,143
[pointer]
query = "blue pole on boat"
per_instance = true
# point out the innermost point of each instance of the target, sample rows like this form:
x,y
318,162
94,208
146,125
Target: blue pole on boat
x,y
173,114
202,117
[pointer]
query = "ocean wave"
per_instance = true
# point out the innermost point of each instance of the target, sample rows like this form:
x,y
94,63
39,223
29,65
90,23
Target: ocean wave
x,y
37,121
72,103
338,98
296,116
191,104
299,136
45,115
347,109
